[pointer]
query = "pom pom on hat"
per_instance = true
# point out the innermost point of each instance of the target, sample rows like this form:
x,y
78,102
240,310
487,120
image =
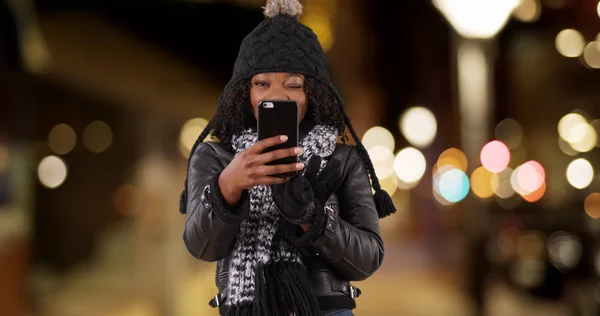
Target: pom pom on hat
x,y
274,8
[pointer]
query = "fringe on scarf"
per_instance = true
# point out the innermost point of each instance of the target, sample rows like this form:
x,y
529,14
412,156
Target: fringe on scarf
x,y
239,310
282,288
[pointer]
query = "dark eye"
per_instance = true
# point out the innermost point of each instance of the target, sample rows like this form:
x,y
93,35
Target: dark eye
x,y
295,86
260,83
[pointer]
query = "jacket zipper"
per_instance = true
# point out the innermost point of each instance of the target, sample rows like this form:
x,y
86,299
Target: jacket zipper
x,y
220,276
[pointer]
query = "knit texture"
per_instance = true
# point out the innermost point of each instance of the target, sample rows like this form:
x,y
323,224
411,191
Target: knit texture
x,y
281,44
261,252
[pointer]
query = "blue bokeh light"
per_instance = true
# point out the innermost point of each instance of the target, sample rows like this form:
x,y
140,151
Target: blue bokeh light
x,y
454,185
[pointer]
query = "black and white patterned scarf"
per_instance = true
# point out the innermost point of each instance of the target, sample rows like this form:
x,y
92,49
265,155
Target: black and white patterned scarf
x,y
267,276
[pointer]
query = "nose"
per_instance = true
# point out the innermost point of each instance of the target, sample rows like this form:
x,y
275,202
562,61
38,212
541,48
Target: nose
x,y
277,93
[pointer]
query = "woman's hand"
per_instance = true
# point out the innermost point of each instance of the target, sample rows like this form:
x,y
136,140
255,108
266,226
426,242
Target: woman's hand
x,y
248,168
303,196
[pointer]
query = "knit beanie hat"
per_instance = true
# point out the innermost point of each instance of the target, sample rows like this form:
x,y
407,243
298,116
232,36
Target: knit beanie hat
x,y
282,44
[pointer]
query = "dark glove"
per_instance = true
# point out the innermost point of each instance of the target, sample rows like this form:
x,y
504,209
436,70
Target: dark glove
x,y
299,198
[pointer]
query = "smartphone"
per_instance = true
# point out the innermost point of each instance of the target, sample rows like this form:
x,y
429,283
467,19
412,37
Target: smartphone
x,y
279,117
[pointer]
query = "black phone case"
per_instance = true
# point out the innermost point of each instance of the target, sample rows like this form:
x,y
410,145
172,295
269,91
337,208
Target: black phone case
x,y
279,118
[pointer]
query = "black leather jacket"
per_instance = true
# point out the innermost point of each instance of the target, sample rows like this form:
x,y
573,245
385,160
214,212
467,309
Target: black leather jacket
x,y
347,247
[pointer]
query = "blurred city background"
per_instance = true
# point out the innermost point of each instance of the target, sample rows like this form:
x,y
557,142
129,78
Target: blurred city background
x,y
481,117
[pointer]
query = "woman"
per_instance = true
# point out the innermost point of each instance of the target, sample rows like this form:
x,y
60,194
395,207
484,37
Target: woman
x,y
284,246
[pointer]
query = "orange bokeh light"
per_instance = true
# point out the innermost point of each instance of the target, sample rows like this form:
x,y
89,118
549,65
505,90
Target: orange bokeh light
x,y
592,205
535,195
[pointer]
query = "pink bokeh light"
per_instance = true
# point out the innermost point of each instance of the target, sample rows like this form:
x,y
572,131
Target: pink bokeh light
x,y
531,176
495,156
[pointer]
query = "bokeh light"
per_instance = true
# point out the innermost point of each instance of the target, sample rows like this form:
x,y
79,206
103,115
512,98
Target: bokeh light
x,y
438,196
582,137
189,133
52,172
454,185
476,18
592,205
580,173
97,137
317,15
570,43
596,125
495,156
410,165
530,176
389,184
514,182
437,173
453,157
566,148
591,55
383,161
529,180
322,28
419,126
378,136
527,273
509,203
564,250
567,123
528,11
582,112
405,185
62,139
530,245
501,184
510,132
481,183
128,199
536,195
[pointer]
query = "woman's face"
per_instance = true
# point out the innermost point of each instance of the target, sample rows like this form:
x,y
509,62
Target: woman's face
x,y
278,86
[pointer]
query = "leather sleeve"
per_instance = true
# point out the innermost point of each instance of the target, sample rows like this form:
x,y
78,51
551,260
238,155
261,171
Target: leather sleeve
x,y
211,227
351,241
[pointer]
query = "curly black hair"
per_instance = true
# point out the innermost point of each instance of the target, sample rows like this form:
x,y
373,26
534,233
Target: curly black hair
x,y
234,112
